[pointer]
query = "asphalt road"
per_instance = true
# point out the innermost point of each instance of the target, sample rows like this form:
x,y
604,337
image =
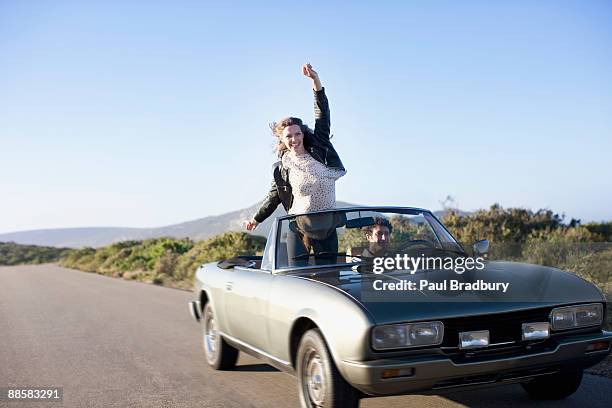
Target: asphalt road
x,y
115,343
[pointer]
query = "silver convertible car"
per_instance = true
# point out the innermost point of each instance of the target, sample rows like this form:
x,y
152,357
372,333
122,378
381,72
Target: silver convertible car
x,y
375,301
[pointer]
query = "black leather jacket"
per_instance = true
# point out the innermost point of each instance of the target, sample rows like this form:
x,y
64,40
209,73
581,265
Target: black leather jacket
x,y
317,143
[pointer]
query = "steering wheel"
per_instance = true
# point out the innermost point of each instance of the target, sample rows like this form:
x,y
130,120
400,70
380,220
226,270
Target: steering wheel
x,y
416,242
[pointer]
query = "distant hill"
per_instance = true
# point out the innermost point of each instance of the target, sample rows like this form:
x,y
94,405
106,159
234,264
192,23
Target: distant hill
x,y
197,230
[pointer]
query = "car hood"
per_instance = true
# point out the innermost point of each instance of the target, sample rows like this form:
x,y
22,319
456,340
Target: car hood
x,y
529,286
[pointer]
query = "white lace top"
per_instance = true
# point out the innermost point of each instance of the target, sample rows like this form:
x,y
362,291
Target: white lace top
x,y
313,184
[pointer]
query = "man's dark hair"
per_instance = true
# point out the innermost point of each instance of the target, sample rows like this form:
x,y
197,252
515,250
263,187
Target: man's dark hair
x,y
378,221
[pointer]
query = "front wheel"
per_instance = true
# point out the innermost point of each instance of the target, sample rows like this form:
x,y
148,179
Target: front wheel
x,y
320,383
219,354
554,386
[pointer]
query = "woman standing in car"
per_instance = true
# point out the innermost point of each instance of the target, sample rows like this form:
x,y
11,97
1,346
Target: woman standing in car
x,y
304,178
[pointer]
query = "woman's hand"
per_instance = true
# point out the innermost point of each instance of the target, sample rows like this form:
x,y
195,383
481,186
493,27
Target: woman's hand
x,y
251,225
309,72
312,74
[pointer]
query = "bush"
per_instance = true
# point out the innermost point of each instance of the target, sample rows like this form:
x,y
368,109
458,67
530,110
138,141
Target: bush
x,y
553,248
500,225
166,263
216,248
162,260
16,254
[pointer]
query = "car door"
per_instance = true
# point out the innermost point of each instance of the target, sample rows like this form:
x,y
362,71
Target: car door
x,y
246,305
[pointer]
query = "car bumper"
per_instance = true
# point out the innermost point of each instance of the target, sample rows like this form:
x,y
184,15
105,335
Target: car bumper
x,y
438,372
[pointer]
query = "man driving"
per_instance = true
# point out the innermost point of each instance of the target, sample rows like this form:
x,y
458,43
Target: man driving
x,y
377,236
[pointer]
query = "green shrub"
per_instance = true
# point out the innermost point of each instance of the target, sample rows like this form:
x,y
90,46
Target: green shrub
x,y
166,264
161,260
500,225
216,248
16,254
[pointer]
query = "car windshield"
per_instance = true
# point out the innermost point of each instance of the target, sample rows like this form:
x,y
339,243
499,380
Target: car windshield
x,y
354,236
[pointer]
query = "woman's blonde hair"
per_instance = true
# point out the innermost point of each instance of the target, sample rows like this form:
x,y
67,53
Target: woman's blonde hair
x,y
277,131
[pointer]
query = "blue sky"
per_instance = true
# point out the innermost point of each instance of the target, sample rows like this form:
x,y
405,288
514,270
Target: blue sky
x,y
118,113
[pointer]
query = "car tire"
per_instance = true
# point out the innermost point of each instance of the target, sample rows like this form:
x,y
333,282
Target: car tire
x,y
320,384
554,386
219,354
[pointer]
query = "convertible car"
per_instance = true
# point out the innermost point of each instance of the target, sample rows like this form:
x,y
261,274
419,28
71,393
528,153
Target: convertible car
x,y
318,306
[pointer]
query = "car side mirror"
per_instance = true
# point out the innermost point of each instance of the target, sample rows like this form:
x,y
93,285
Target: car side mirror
x,y
481,247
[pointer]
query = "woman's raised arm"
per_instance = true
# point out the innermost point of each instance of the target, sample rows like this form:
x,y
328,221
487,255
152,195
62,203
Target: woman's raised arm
x,y
321,105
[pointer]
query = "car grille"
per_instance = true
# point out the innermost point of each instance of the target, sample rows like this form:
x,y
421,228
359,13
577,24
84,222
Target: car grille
x,y
503,327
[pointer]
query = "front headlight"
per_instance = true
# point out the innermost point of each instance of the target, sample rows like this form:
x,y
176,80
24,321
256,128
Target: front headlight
x,y
571,317
407,335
